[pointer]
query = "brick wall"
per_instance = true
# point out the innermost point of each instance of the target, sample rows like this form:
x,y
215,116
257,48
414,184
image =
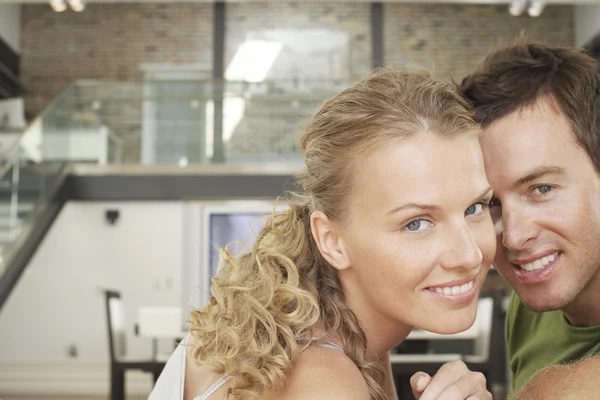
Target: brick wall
x,y
108,42
448,39
292,20
325,47
451,40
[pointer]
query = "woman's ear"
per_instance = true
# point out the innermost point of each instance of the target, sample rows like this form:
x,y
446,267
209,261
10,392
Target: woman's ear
x,y
329,240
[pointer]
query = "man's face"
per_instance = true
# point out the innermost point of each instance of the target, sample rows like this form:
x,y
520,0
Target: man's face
x,y
546,210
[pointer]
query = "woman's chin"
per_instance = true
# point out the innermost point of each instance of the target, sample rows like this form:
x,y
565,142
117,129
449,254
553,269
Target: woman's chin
x,y
447,326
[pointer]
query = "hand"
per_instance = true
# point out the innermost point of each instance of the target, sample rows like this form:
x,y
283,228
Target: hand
x,y
453,381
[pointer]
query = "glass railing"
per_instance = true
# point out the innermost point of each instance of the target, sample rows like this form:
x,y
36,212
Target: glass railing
x,y
196,122
263,121
171,122
176,122
29,172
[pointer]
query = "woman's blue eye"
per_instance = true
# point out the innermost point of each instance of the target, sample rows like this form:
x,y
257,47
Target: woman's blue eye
x,y
416,225
475,209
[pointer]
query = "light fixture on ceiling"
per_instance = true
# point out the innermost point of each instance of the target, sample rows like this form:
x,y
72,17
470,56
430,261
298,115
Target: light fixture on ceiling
x,y
77,5
536,7
517,7
58,5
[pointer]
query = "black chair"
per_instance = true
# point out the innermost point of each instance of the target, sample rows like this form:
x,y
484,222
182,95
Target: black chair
x,y
119,361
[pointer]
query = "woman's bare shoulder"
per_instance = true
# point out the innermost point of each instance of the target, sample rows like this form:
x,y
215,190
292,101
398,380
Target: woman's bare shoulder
x,y
198,377
324,373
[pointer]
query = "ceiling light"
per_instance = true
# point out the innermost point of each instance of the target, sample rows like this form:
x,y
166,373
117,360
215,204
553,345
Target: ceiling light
x,y
58,5
517,7
536,8
77,5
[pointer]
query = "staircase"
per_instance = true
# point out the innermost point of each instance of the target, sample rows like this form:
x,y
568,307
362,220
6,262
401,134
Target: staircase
x,y
9,225
33,170
20,189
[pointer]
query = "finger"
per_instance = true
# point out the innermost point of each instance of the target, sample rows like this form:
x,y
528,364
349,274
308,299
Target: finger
x,y
418,383
470,385
483,395
448,374
486,396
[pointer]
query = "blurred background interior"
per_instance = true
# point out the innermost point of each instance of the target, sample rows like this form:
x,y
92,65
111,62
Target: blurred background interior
x,y
135,136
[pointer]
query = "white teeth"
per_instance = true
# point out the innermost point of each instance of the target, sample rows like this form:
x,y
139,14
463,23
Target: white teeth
x,y
548,259
539,263
455,290
529,267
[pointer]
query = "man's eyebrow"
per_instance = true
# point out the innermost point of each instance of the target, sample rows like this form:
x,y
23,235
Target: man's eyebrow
x,y
538,173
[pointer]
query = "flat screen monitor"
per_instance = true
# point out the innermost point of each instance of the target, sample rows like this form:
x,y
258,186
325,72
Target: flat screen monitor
x,y
234,230
234,224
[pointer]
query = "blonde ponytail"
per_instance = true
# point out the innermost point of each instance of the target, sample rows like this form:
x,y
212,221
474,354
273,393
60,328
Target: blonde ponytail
x,y
260,306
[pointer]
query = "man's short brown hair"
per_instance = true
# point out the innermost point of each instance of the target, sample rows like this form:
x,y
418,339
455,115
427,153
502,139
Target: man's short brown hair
x,y
516,76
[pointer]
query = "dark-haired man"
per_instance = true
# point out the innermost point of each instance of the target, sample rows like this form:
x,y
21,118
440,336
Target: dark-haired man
x,y
540,109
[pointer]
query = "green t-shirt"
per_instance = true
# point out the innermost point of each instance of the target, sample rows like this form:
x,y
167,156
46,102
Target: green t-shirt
x,y
538,340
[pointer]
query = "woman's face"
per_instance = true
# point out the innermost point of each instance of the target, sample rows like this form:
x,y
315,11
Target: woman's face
x,y
418,238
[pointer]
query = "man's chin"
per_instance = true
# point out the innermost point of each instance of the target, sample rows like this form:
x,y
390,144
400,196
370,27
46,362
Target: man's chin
x,y
542,302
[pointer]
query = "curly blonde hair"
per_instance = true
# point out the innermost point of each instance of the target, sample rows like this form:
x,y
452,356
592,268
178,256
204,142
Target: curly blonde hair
x,y
265,303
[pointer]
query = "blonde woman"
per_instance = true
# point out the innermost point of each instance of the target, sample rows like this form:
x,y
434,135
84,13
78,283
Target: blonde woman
x,y
391,232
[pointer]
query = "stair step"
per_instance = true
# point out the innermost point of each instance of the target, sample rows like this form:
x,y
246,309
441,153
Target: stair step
x,y
22,208
5,221
5,237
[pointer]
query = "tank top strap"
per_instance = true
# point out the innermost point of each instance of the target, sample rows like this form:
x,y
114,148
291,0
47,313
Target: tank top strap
x,y
328,345
216,386
331,345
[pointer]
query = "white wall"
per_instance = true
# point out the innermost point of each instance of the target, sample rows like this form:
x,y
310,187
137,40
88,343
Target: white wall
x,y
10,25
58,303
587,23
153,255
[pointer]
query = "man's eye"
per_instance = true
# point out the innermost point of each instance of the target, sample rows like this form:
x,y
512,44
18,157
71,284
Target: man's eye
x,y
543,189
494,203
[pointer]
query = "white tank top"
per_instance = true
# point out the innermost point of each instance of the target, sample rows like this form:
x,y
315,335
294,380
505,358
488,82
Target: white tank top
x,y
169,385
